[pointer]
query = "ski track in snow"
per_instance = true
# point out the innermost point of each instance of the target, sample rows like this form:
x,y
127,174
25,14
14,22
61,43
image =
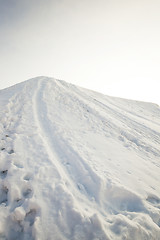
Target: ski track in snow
x,y
65,154
81,180
56,149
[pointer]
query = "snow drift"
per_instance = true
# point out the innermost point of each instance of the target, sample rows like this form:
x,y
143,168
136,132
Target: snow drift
x,y
77,165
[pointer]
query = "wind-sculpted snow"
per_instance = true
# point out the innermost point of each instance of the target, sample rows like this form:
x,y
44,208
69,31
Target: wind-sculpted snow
x,y
77,165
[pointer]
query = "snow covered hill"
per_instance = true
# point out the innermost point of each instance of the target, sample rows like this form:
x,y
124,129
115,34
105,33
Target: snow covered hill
x,y
77,165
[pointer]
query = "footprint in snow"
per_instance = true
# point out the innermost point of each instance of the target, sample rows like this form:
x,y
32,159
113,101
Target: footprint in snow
x,y
11,151
18,165
17,203
20,224
3,195
3,174
27,177
30,216
154,200
27,193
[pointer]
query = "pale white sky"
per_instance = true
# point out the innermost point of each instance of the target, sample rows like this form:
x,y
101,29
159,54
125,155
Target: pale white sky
x,y
112,46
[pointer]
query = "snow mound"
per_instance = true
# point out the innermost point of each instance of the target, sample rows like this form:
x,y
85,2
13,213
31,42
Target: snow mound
x,y
77,165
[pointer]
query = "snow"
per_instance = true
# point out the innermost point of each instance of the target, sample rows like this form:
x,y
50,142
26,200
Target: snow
x,y
77,165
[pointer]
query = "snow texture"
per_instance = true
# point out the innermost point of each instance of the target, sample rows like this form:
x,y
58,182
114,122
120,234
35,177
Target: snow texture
x,y
77,165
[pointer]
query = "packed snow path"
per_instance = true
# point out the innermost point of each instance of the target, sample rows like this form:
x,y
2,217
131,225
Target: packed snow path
x,y
77,165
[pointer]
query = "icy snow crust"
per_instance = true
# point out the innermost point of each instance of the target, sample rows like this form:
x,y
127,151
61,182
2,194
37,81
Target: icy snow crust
x,y
77,165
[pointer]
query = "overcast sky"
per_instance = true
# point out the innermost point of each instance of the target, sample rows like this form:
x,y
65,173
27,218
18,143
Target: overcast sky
x,y
112,46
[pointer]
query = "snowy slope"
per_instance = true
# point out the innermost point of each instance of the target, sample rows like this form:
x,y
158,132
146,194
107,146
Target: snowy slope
x,y
77,165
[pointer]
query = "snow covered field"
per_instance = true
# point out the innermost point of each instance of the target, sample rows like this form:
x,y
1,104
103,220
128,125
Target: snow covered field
x,y
77,165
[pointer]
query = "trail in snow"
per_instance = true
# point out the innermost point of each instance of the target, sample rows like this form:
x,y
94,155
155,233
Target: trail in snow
x,y
16,190
76,164
73,172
